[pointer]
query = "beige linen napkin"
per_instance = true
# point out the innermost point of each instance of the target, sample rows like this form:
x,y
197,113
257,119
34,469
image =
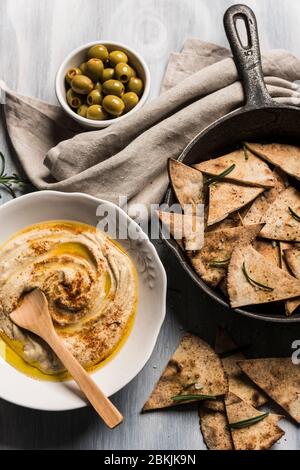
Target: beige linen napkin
x,y
129,159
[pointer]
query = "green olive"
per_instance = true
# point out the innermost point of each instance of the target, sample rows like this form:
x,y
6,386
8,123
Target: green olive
x,y
115,57
83,67
82,110
82,84
73,99
98,86
98,52
94,69
97,113
123,72
95,97
72,73
130,100
136,85
113,105
108,74
113,87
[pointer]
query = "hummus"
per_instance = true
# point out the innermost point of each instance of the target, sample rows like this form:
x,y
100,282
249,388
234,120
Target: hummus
x,y
90,284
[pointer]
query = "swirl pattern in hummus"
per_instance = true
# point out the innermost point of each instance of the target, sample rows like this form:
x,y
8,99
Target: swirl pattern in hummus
x,y
90,284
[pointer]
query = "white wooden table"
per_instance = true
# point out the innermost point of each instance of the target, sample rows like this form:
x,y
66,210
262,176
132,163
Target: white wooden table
x,y
35,35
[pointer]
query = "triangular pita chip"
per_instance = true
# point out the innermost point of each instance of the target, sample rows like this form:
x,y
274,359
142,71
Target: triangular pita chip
x,y
213,425
258,209
193,369
290,305
292,257
226,198
259,436
248,265
187,183
239,384
279,378
193,227
251,171
280,223
218,247
286,157
187,229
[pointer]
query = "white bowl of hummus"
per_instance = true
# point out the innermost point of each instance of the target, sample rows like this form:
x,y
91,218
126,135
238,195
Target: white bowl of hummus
x,y
106,293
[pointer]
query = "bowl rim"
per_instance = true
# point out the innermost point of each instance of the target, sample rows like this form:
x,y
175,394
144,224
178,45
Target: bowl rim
x,y
60,76
144,358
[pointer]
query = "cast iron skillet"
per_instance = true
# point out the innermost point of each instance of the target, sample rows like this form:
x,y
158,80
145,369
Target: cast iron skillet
x,y
261,120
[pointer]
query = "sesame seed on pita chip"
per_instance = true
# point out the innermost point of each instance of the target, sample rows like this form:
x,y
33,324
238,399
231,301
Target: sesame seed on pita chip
x,y
193,370
252,280
286,157
279,378
249,169
281,219
226,198
251,429
211,262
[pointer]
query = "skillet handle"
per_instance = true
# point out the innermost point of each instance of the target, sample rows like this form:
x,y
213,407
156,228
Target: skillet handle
x,y
247,56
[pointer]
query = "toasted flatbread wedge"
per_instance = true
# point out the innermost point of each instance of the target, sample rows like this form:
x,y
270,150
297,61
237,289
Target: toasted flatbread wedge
x,y
251,171
194,369
259,207
213,425
290,305
281,217
259,436
212,261
279,378
233,220
226,198
270,250
252,280
187,183
239,384
285,157
292,257
193,227
187,229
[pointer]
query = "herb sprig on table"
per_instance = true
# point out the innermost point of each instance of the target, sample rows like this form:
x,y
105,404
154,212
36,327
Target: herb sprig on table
x,y
9,181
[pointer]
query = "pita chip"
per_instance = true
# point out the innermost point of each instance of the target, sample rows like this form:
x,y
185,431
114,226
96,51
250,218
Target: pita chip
x,y
226,198
279,378
270,250
187,229
194,369
259,436
187,183
292,258
290,305
239,384
211,262
281,220
251,171
174,224
285,157
252,280
213,425
259,207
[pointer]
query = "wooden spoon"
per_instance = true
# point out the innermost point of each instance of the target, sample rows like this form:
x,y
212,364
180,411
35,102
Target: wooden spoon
x,y
33,315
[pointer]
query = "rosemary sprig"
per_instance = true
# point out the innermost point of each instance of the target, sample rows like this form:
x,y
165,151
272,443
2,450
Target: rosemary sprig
x,y
247,422
255,283
246,153
193,397
219,177
294,215
219,263
7,181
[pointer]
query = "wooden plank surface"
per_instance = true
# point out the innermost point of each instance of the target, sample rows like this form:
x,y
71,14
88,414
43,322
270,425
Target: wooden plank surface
x,y
35,36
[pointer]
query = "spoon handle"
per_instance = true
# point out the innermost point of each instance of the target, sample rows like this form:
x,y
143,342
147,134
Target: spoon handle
x,y
104,407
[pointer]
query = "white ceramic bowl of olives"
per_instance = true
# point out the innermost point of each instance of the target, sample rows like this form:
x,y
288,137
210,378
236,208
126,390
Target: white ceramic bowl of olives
x,y
102,83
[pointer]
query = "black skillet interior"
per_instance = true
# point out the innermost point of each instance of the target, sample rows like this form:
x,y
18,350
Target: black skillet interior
x,y
261,120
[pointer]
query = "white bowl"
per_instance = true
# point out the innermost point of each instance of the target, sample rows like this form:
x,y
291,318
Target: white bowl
x,y
55,396
76,58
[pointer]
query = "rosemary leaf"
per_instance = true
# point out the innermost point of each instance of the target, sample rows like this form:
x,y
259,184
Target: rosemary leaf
x,y
248,422
219,177
246,152
219,263
294,215
193,397
255,283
